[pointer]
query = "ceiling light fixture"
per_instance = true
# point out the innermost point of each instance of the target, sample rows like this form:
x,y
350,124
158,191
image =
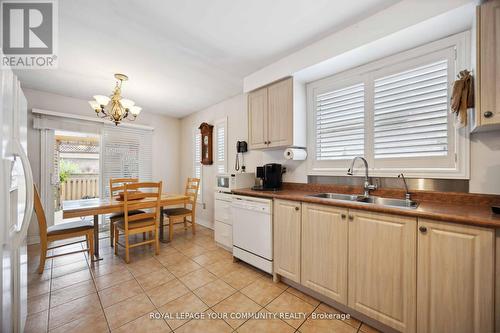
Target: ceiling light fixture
x,y
115,107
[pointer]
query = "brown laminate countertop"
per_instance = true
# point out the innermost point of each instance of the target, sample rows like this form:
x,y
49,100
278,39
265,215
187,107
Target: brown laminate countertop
x,y
470,213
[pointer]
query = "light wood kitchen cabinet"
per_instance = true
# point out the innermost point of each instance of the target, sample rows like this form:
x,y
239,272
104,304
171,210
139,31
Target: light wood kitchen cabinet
x,y
382,268
280,114
276,115
286,230
455,278
324,250
257,118
488,67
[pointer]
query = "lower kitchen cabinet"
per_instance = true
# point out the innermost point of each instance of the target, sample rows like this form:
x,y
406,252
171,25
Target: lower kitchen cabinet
x,y
324,250
455,278
287,221
382,268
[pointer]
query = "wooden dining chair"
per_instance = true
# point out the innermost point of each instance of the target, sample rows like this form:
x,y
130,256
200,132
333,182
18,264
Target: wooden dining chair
x,y
145,222
181,215
115,186
61,231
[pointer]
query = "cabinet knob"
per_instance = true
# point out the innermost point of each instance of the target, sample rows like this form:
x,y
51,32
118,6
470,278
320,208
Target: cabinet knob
x,y
297,208
351,217
343,216
422,229
488,114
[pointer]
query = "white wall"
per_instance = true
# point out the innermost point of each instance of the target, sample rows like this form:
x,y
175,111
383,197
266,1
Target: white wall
x,y
166,136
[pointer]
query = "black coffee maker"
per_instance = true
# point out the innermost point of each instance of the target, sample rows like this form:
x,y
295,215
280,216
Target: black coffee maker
x,y
271,175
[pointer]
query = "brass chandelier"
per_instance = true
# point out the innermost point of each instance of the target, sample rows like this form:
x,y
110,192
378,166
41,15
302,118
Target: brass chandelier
x,y
115,107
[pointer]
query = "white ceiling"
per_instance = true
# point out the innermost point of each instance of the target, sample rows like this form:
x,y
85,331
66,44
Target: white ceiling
x,y
183,55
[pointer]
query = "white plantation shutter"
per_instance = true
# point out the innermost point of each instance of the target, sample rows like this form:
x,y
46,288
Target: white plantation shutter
x,y
340,125
221,150
395,112
126,153
197,169
411,112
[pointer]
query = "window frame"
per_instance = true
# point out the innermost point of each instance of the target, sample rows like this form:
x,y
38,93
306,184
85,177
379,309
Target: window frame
x,y
454,48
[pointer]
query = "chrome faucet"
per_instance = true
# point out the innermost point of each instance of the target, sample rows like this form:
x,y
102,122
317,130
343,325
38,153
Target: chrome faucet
x,y
407,195
367,186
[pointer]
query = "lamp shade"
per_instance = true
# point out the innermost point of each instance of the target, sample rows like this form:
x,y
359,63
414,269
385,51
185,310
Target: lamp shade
x,y
127,103
94,105
102,100
135,110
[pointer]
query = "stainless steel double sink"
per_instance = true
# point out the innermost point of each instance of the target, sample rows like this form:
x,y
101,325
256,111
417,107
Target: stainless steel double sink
x,y
370,199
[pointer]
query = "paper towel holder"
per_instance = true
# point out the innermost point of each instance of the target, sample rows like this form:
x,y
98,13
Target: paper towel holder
x,y
295,153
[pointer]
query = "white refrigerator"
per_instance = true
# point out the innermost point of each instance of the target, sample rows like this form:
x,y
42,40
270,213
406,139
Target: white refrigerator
x,y
16,203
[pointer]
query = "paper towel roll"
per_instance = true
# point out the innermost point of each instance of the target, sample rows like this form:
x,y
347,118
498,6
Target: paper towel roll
x,y
296,154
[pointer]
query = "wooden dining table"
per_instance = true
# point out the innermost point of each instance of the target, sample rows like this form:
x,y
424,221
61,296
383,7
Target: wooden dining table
x,y
100,206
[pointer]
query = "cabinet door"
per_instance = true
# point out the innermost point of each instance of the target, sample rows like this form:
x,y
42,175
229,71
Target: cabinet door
x,y
324,250
455,278
280,113
257,119
382,268
287,220
489,66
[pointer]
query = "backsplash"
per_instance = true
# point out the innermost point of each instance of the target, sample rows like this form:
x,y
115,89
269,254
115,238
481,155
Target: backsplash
x,y
414,184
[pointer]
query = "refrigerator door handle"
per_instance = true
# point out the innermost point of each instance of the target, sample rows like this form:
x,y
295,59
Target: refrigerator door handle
x,y
17,150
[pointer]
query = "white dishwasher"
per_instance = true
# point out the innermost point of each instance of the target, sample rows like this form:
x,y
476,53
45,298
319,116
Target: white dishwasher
x,y
253,231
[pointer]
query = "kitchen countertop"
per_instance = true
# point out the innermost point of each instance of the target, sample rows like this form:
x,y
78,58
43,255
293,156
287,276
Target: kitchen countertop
x,y
470,213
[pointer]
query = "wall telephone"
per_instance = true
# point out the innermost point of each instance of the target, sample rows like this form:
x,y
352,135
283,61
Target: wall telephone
x,y
241,147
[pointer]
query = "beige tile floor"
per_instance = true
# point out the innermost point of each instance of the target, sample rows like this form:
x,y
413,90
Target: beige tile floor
x,y
191,276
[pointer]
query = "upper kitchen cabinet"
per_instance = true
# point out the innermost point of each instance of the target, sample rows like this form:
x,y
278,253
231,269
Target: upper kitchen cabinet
x,y
276,115
488,67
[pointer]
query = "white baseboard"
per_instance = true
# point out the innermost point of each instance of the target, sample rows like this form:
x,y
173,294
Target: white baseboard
x,y
205,223
33,239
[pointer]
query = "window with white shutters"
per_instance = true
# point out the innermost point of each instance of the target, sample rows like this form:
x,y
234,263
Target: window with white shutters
x,y
395,112
340,123
411,112
197,169
221,149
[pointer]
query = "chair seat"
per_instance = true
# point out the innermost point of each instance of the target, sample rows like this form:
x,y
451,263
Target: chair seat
x,y
177,211
68,227
135,224
121,215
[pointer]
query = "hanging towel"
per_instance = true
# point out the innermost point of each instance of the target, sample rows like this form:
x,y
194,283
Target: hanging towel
x,y
462,97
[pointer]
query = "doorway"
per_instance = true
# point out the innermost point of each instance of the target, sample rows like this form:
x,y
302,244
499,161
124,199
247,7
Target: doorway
x,y
76,169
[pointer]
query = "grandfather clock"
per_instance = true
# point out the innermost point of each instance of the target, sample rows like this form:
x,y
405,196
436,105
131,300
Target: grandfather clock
x,y
206,143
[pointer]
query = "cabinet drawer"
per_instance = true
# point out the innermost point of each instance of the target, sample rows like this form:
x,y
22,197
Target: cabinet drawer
x,y
222,212
224,234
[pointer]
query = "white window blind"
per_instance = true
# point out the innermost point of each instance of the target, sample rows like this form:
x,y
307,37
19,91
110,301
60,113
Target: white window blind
x,y
221,150
340,124
410,112
126,153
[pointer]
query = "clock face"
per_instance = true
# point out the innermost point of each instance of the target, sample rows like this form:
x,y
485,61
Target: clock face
x,y
205,140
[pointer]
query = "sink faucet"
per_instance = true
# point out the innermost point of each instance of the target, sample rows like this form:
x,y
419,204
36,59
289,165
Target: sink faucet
x,y
367,186
407,195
